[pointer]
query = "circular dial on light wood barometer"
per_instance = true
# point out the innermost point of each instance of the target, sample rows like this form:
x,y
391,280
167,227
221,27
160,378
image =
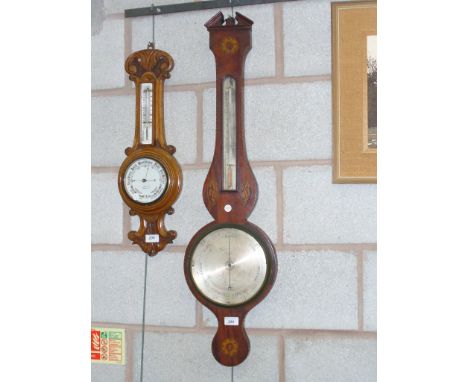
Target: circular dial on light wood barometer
x,y
150,179
145,180
230,264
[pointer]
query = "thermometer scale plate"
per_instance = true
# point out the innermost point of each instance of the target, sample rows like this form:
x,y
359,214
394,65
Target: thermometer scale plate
x,y
229,134
146,114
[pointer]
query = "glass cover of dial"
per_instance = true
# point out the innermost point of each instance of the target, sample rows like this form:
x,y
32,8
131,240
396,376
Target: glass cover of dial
x,y
229,266
145,180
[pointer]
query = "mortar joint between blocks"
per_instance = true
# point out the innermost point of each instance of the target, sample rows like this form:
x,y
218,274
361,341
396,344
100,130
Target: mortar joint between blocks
x,y
360,287
130,334
127,50
279,40
279,205
198,315
199,126
281,359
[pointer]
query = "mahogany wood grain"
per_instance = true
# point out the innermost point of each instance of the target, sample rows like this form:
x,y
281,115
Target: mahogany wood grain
x,y
230,42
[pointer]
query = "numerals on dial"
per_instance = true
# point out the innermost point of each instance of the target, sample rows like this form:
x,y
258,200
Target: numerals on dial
x,y
145,180
229,266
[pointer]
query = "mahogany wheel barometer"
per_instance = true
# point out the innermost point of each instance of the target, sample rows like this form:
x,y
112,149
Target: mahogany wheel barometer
x,y
230,264
150,179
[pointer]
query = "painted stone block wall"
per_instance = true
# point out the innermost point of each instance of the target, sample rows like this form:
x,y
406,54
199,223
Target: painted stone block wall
x,y
319,322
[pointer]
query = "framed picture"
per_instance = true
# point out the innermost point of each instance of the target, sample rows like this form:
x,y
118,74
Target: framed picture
x,y
354,51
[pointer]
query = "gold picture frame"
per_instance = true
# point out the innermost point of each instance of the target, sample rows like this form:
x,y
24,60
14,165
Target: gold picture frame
x,y
354,31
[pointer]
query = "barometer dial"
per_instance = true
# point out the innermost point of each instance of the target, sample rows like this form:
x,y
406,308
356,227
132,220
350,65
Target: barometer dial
x,y
229,266
145,180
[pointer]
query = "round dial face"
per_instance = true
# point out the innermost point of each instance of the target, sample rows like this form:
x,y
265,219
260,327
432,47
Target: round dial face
x,y
145,180
229,266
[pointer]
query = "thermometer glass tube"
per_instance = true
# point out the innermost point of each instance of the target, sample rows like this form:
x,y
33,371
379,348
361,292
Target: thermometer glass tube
x,y
229,134
146,113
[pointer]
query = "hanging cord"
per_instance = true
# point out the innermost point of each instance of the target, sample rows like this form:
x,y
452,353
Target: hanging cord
x,y
151,43
143,320
232,15
152,8
232,367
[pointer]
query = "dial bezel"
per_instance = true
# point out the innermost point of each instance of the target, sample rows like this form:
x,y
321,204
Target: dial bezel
x,y
261,239
174,180
165,187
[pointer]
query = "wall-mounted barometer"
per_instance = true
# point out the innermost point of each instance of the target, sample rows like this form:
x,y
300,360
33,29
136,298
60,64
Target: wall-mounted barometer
x,y
230,264
150,179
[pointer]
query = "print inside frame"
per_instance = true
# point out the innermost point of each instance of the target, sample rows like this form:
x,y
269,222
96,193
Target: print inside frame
x,y
354,146
370,99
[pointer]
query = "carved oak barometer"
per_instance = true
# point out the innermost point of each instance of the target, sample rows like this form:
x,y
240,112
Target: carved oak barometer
x,y
230,264
150,179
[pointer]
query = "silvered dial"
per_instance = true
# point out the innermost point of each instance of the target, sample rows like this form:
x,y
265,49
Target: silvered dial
x,y
145,180
229,266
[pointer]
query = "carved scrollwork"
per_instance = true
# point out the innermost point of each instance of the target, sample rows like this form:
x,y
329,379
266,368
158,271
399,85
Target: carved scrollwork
x,y
152,225
154,61
152,215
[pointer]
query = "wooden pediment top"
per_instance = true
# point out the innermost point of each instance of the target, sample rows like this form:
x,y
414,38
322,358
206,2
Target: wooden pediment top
x,y
154,61
218,21
243,20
